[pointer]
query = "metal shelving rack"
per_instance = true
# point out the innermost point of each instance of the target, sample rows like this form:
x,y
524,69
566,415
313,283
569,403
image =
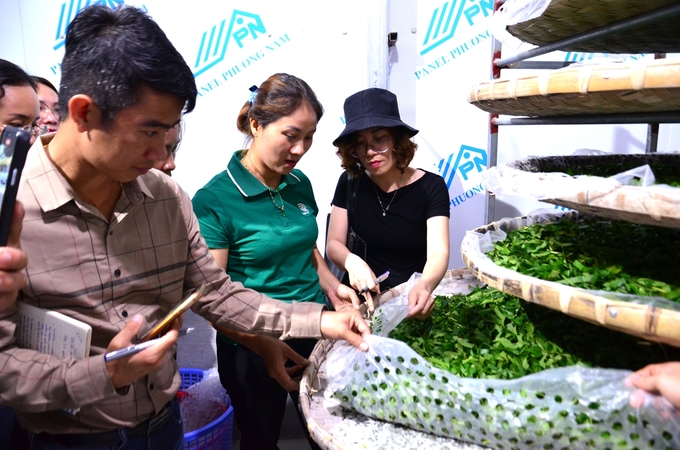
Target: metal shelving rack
x,y
518,61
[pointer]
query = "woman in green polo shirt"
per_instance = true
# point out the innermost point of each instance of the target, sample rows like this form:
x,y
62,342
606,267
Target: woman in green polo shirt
x,y
259,220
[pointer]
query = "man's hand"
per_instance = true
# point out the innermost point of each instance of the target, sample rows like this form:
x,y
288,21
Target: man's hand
x,y
12,262
125,371
660,379
275,354
346,324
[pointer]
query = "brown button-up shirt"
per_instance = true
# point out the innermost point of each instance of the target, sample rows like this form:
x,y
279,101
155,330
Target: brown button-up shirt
x,y
144,261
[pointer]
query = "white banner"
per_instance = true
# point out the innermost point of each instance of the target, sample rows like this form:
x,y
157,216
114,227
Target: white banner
x,y
444,48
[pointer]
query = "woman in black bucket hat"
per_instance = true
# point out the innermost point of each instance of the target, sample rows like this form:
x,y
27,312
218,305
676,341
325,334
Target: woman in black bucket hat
x,y
402,213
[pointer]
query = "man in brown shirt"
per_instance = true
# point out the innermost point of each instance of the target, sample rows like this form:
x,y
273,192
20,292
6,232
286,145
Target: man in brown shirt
x,y
112,243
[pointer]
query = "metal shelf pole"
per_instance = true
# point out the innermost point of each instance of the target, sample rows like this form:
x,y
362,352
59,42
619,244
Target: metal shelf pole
x,y
664,12
593,119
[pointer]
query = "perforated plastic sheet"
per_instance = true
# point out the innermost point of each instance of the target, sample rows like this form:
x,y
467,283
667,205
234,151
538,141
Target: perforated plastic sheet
x,y
572,407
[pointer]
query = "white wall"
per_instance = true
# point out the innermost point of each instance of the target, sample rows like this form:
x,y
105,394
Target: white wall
x,y
326,44
340,48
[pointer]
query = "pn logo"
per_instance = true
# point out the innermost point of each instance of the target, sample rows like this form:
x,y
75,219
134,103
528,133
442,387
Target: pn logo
x,y
215,41
470,161
70,9
442,25
445,20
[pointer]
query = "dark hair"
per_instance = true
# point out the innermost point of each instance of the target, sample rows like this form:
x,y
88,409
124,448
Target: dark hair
x,y
404,150
46,82
13,75
111,54
280,95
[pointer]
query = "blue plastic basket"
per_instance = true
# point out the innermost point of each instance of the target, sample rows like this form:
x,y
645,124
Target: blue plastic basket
x,y
217,435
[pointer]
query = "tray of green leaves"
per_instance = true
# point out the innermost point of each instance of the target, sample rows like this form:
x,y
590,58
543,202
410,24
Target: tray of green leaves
x,y
613,273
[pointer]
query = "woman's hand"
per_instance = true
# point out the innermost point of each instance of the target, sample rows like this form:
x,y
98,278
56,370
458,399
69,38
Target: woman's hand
x,y
361,277
421,302
275,354
346,298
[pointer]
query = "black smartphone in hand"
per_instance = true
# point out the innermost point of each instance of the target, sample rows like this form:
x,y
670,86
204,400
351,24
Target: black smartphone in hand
x,y
14,145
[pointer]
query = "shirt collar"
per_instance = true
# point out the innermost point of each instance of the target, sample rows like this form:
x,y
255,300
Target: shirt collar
x,y
246,183
52,190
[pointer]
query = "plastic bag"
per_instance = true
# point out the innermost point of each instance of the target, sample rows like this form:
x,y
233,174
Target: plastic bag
x,y
513,12
572,407
506,179
203,402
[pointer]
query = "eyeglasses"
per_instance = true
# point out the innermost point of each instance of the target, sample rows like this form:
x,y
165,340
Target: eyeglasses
x,y
44,110
379,145
33,129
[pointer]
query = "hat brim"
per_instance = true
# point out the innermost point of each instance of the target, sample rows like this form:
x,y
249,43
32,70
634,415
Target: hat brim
x,y
366,122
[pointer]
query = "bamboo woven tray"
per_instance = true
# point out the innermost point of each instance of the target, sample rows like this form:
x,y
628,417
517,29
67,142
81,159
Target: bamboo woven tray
x,y
651,322
638,87
323,422
566,18
644,205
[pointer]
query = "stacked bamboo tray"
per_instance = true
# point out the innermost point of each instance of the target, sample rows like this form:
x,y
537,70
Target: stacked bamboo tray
x,y
615,88
649,320
565,18
653,205
642,86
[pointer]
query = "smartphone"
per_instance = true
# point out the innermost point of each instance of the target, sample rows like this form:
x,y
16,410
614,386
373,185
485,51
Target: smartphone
x,y
177,311
14,145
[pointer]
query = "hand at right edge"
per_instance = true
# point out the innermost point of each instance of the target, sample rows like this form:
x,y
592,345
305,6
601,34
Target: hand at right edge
x,y
660,379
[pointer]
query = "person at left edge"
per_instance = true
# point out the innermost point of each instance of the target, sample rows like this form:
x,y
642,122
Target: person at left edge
x,y
19,105
114,244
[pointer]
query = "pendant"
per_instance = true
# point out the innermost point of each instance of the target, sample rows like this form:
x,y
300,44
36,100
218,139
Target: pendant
x,y
383,213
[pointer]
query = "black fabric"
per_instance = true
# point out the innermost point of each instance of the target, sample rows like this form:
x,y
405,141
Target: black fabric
x,y
354,242
372,107
259,401
397,241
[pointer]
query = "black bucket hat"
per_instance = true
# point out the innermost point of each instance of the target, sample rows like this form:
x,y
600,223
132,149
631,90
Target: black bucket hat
x,y
373,107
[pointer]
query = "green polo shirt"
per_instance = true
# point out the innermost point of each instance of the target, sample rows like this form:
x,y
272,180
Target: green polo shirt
x,y
269,251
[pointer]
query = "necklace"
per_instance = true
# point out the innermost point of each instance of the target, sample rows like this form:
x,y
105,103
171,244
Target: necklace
x,y
384,210
273,193
282,207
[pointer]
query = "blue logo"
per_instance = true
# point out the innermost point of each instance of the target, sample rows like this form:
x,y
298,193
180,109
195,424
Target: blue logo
x,y
445,20
469,159
71,8
214,42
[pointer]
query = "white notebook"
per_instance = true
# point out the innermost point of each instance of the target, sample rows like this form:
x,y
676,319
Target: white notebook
x,y
52,332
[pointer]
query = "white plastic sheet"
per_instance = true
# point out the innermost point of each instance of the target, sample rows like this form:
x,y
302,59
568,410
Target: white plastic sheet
x,y
572,407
